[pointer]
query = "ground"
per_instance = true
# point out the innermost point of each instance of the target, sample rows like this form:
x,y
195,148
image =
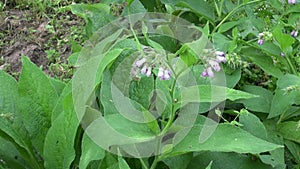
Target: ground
x,y
45,38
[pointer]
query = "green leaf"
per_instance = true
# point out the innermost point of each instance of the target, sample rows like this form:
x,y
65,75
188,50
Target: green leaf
x,y
232,78
191,52
285,96
209,165
109,57
110,161
221,42
271,49
280,103
264,62
59,142
129,128
17,135
258,104
122,163
89,75
37,100
290,130
8,93
12,131
227,26
210,93
105,95
95,15
59,107
252,124
226,161
284,40
134,7
10,156
141,91
72,59
162,103
294,148
225,138
90,151
122,133
129,1
58,85
205,9
178,162
288,80
276,158
164,38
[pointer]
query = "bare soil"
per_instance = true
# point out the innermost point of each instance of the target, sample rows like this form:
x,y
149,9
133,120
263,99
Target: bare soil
x,y
23,32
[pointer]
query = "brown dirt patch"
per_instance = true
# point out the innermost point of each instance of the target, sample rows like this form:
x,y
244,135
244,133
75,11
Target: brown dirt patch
x,y
25,33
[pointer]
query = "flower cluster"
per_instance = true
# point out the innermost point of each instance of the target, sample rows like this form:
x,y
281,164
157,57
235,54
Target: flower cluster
x,y
264,36
292,2
147,61
260,38
294,33
164,74
213,59
235,61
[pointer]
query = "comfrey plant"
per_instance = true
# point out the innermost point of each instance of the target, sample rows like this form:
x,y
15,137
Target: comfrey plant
x,y
130,105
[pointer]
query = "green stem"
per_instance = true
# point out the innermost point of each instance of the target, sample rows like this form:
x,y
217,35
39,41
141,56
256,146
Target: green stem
x,y
232,12
219,10
292,67
156,158
143,164
281,117
165,129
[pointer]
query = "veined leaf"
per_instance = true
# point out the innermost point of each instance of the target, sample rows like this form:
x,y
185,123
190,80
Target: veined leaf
x,y
90,151
210,93
226,138
286,95
37,98
290,130
263,61
200,7
11,126
258,104
10,156
59,142
8,93
225,161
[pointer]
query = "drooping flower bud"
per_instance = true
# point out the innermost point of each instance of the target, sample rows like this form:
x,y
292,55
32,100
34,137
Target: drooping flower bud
x,y
167,74
210,73
140,62
220,53
160,73
221,59
204,73
149,72
215,65
261,35
292,2
260,41
294,33
144,70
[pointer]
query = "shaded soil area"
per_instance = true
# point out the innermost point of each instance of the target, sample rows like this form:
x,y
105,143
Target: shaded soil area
x,y
45,40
